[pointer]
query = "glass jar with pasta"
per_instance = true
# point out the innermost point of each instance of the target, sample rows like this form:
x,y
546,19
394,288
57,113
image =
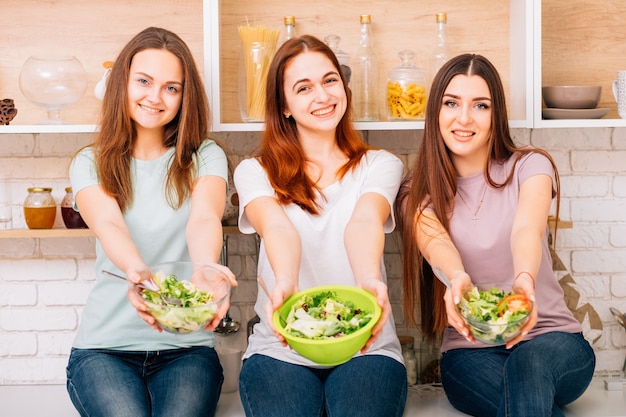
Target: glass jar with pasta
x,y
406,90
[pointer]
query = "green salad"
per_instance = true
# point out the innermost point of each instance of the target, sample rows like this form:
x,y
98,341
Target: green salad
x,y
194,311
324,316
494,315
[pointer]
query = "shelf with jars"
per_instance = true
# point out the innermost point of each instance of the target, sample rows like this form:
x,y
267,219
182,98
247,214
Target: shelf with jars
x,y
508,44
531,42
69,233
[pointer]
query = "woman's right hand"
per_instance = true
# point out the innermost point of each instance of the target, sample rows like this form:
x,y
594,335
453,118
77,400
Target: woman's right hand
x,y
278,295
460,283
134,277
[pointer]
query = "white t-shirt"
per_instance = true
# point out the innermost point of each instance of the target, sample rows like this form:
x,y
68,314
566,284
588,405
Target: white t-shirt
x,y
324,259
108,320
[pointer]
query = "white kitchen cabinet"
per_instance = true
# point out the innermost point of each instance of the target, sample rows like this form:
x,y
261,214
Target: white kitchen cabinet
x,y
397,25
578,42
531,42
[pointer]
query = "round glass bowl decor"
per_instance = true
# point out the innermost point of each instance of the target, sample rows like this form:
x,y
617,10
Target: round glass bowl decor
x,y
53,83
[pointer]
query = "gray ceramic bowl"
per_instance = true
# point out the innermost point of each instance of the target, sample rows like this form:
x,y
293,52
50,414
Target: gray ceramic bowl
x,y
572,97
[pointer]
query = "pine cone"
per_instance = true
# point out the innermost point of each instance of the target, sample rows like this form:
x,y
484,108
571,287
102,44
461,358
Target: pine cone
x,y
7,111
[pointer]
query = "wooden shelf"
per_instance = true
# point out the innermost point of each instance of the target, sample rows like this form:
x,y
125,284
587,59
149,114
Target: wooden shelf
x,y
64,128
69,233
44,233
578,42
563,224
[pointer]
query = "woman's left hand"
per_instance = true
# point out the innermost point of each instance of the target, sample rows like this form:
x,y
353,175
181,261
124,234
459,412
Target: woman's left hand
x,y
380,291
526,286
203,281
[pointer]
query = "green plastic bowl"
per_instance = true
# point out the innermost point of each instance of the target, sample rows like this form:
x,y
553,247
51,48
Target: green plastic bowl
x,y
331,352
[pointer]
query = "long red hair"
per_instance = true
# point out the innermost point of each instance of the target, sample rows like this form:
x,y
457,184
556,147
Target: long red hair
x,y
280,152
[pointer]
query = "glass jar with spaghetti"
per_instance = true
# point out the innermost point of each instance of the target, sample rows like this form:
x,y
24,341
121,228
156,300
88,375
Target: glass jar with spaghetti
x,y
40,208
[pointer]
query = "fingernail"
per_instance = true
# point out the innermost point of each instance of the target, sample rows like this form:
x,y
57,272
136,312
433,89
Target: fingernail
x,y
532,298
456,300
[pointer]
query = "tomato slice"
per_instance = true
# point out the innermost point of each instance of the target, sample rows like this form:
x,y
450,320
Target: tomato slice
x,y
513,303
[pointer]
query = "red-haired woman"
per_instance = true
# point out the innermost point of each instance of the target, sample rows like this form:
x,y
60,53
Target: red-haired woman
x,y
321,200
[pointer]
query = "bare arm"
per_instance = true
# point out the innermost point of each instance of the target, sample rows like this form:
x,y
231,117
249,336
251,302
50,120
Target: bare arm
x,y
282,245
204,231
438,250
104,217
527,234
204,228
364,239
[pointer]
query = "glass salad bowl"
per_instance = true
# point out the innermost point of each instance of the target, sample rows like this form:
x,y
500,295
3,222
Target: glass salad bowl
x,y
328,341
181,307
494,316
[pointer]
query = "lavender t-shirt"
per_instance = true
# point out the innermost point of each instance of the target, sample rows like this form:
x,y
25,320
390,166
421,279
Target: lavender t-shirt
x,y
483,239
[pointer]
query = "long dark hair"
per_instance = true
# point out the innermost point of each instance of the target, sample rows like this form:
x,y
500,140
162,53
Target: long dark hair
x,y
433,182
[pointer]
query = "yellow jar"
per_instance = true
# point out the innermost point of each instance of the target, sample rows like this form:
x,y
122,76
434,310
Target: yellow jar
x,y
40,208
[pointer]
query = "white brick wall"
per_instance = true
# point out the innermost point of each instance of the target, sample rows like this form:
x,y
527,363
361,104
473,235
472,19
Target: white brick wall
x,y
45,282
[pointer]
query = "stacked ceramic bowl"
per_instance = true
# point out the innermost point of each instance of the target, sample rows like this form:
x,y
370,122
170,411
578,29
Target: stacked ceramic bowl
x,y
572,102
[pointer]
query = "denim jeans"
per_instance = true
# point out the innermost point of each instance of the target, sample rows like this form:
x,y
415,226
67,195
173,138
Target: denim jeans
x,y
534,378
370,385
112,383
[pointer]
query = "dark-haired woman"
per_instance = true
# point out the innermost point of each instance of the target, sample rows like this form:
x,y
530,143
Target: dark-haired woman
x,y
476,206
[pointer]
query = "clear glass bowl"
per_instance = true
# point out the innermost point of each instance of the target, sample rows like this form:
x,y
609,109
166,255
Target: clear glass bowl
x,y
182,319
493,331
53,83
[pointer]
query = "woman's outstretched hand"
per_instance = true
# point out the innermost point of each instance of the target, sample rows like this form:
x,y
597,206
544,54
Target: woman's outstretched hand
x,y
459,284
380,291
134,277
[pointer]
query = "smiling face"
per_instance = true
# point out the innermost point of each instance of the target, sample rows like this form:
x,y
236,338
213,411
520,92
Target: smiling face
x,y
155,88
465,122
314,93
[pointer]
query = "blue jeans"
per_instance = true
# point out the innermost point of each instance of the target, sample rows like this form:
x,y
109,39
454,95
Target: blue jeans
x,y
370,385
112,383
534,378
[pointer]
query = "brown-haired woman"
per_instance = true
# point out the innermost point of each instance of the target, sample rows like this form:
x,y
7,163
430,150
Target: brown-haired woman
x,y
321,200
476,206
152,188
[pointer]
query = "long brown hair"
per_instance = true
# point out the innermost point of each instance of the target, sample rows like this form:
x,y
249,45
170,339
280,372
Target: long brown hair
x,y
280,152
433,182
113,145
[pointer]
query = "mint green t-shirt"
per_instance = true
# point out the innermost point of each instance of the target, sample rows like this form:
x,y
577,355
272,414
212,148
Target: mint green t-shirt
x,y
108,319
